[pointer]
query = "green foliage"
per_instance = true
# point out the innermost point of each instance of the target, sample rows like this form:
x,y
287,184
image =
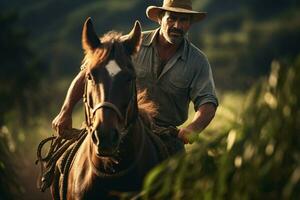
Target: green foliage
x,y
258,158
19,83
9,186
240,37
56,26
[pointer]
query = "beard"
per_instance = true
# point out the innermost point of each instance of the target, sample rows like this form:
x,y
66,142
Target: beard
x,y
175,36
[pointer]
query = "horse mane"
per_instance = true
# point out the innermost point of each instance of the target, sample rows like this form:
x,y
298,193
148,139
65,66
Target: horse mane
x,y
147,108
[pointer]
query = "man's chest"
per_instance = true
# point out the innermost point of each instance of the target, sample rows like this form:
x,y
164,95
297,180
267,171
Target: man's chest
x,y
172,76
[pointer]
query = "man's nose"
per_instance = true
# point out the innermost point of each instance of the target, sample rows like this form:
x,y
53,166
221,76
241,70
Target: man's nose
x,y
176,24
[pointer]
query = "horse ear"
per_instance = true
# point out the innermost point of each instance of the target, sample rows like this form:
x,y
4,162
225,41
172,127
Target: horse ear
x,y
132,41
90,40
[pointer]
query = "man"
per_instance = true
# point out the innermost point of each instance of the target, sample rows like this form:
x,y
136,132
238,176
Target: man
x,y
171,68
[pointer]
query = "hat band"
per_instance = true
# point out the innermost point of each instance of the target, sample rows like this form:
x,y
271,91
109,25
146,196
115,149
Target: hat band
x,y
178,5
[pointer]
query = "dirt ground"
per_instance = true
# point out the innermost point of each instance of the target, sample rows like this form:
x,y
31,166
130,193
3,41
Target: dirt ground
x,y
28,179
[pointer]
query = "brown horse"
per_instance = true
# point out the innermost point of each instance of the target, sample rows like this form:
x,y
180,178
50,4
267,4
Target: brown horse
x,y
117,152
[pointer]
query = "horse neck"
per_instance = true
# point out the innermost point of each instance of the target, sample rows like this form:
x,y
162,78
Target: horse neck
x,y
135,135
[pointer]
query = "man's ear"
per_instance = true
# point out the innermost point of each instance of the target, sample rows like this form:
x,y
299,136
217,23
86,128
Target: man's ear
x,y
90,40
159,21
132,41
161,14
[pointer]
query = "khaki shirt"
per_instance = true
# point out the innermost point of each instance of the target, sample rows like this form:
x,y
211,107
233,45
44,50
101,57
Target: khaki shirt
x,y
186,77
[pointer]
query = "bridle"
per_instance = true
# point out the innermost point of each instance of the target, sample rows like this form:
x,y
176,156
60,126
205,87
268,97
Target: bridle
x,y
90,111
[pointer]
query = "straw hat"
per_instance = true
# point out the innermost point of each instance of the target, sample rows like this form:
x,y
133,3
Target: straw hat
x,y
179,6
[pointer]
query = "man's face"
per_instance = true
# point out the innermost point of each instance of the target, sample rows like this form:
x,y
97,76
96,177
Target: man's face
x,y
174,26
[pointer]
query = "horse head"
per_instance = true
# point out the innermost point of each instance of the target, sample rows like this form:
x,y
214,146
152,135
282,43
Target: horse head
x,y
110,91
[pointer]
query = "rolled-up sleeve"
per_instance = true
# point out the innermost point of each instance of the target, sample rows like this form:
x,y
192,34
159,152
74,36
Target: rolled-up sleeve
x,y
202,87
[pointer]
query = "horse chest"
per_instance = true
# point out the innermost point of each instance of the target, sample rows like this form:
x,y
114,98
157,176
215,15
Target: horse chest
x,y
101,188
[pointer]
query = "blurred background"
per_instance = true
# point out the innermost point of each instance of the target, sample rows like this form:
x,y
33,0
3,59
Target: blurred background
x,y
250,150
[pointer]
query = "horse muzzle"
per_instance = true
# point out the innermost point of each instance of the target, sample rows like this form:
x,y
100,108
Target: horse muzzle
x,y
106,142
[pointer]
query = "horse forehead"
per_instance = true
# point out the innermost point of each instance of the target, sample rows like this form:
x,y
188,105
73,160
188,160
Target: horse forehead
x,y
113,68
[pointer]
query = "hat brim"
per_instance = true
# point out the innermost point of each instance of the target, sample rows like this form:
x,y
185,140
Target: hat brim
x,y
152,13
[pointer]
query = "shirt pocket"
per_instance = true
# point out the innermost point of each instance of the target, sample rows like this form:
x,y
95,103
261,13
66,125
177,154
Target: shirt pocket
x,y
179,82
140,70
141,78
178,85
178,76
141,73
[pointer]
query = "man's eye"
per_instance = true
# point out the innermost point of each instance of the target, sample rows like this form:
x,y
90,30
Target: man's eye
x,y
184,19
171,19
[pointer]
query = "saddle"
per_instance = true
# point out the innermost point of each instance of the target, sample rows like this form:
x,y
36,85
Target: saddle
x,y
168,135
165,140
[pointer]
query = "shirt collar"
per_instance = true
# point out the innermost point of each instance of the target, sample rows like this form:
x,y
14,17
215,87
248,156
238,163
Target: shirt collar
x,y
149,39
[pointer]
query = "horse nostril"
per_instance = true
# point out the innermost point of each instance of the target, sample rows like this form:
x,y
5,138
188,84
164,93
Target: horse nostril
x,y
95,138
115,136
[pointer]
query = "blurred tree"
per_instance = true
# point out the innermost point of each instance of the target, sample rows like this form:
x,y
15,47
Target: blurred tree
x,y
242,38
20,75
20,70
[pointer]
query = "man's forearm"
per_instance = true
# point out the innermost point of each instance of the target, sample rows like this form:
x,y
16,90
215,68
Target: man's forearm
x,y
75,93
202,118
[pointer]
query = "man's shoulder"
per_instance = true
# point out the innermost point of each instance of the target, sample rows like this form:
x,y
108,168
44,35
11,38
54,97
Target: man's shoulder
x,y
147,36
148,33
195,53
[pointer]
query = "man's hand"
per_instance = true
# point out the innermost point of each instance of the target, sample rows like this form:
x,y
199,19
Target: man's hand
x,y
61,122
184,134
202,118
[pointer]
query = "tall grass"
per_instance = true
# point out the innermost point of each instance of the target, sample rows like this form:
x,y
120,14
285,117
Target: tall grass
x,y
255,155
